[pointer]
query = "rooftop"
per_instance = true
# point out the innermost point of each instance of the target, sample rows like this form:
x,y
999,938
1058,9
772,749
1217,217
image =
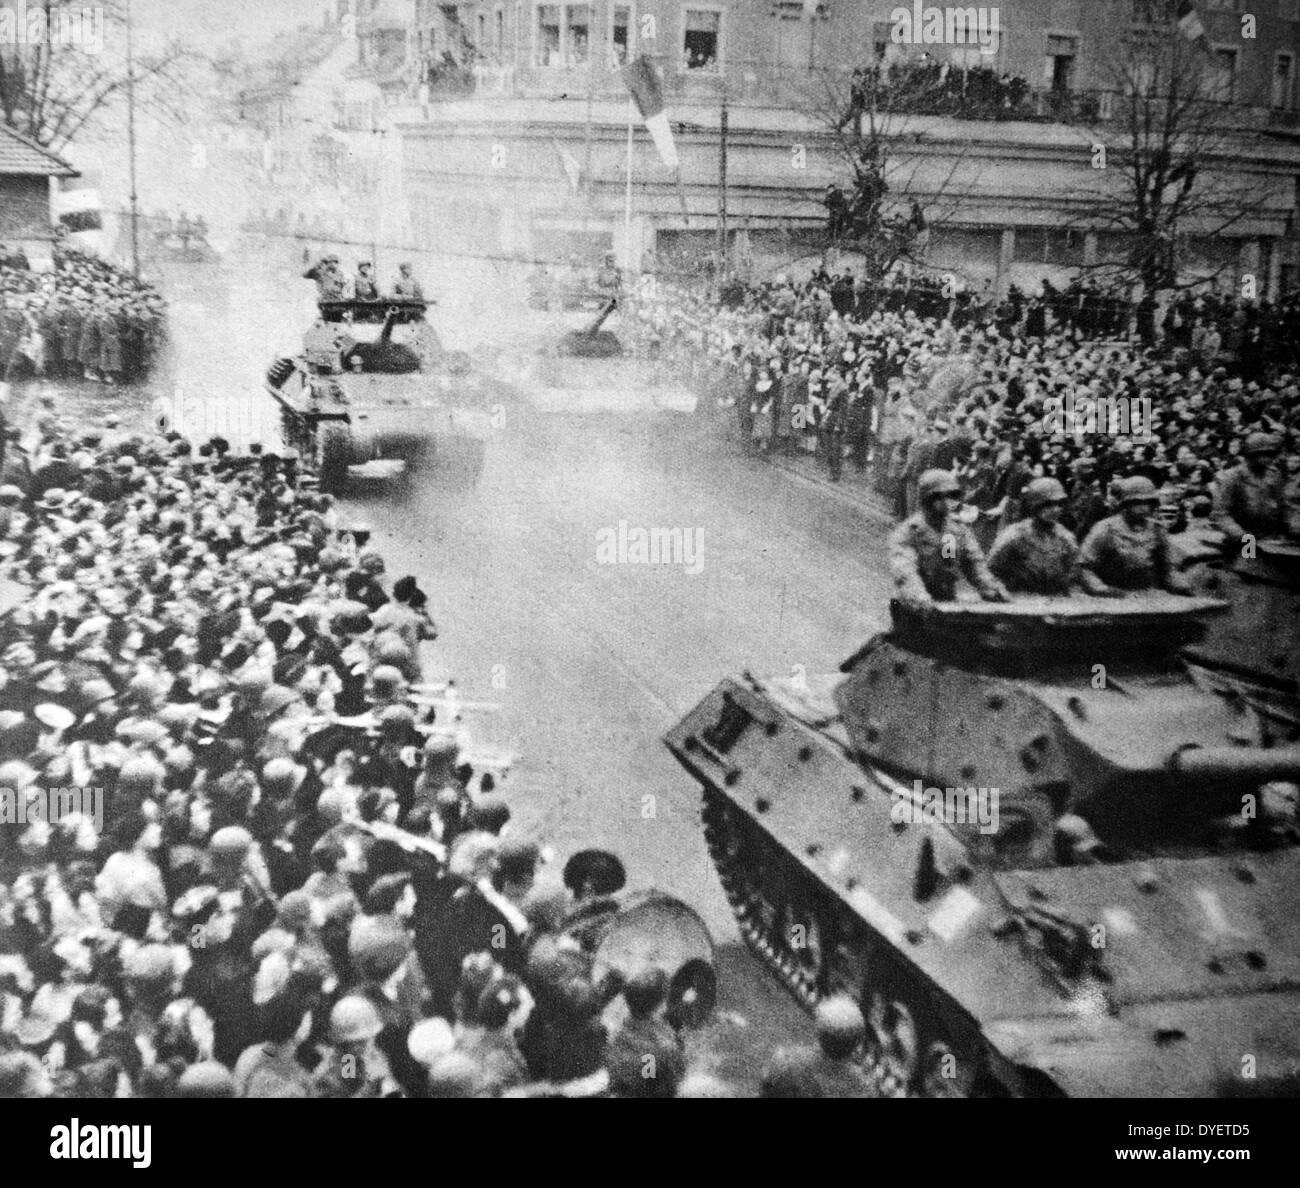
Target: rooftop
x,y
23,157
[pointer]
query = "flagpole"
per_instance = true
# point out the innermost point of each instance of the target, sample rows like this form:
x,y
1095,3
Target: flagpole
x,y
130,136
627,198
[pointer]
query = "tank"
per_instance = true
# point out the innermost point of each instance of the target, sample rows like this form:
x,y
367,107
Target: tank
x,y
389,395
1254,651
1044,859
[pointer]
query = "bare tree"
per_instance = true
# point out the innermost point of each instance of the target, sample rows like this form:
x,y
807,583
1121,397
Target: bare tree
x,y
882,211
56,83
1155,159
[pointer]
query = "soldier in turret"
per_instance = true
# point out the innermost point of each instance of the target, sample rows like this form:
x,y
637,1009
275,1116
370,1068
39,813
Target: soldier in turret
x,y
1249,499
1036,555
1129,552
930,550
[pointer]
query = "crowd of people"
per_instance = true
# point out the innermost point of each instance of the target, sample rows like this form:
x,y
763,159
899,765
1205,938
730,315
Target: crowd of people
x,y
85,320
1068,384
244,851
933,87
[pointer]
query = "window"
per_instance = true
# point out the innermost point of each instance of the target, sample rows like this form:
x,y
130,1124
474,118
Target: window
x,y
1058,71
563,34
548,35
1223,75
1048,245
577,33
702,39
621,33
793,39
481,27
1152,12
499,31
1283,66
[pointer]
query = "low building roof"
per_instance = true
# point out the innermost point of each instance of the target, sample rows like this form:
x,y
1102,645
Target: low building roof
x,y
24,157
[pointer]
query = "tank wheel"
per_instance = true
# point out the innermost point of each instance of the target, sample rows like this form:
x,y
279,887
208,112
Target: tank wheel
x,y
333,452
945,1074
897,1040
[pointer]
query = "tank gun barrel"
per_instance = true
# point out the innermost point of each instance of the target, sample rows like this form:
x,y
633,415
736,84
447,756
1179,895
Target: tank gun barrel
x,y
1208,764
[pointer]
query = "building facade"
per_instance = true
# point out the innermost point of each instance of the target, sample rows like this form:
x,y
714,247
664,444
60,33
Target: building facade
x,y
28,175
515,131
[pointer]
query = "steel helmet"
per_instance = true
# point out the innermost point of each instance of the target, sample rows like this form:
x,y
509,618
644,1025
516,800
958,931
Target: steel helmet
x,y
840,1018
1138,489
354,1019
1041,491
937,482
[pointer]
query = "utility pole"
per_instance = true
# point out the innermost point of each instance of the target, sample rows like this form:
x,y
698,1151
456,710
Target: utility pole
x,y
722,193
130,136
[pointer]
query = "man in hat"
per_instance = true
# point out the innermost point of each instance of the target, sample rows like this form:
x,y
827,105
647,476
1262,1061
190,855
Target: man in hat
x,y
645,1057
331,285
1249,498
1129,552
1036,555
930,550
407,285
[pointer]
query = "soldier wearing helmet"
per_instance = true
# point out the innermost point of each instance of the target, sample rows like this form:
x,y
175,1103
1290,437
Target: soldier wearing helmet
x,y
354,1066
1037,555
829,1070
930,550
1129,552
1249,498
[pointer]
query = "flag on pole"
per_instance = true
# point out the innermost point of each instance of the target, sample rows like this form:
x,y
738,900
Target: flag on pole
x,y
1191,26
648,94
569,163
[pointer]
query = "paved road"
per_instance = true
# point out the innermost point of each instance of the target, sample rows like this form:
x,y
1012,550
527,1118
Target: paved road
x,y
591,662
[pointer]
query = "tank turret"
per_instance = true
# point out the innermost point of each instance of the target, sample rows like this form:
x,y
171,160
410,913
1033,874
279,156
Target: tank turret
x,y
1255,650
1043,857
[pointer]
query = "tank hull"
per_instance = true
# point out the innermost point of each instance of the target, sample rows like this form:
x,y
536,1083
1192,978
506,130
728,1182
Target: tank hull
x,y
353,420
977,980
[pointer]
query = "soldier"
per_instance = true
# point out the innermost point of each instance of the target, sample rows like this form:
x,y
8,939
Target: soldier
x,y
406,284
364,287
1130,551
829,1070
330,282
354,1066
930,550
1037,555
645,1058
1249,497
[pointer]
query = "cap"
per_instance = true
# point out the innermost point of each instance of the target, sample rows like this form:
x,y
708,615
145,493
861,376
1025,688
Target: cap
x,y
1137,489
377,946
354,1019
1042,491
937,482
1261,443
207,1079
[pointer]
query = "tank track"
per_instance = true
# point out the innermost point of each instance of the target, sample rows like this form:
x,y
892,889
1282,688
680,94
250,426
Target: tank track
x,y
759,920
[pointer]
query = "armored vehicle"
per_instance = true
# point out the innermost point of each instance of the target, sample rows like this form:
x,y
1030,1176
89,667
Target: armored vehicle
x,y
1044,859
374,385
1255,650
